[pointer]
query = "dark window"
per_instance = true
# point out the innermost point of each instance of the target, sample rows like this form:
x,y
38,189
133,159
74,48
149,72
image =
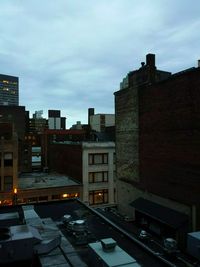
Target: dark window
x,y
8,183
100,158
97,177
8,159
43,198
56,197
114,158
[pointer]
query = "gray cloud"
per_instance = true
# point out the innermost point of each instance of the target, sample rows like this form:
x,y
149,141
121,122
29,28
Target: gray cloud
x,y
71,55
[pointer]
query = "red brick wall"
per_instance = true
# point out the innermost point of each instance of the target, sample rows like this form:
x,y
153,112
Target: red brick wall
x,y
169,137
66,159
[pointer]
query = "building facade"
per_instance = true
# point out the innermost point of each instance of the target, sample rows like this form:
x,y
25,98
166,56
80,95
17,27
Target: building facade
x,y
98,122
8,162
55,121
9,90
157,147
90,163
98,174
19,117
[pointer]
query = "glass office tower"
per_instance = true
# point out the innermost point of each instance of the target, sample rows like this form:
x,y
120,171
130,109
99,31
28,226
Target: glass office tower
x,y
9,90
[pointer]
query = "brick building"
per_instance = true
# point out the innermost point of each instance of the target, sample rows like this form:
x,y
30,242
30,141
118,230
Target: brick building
x,y
8,162
19,117
157,141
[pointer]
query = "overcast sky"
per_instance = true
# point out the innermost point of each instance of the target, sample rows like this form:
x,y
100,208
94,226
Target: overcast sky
x,y
72,54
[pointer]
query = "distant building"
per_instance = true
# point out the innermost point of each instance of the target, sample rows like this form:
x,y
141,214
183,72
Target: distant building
x,y
19,117
55,121
9,90
98,122
8,162
38,124
90,163
157,147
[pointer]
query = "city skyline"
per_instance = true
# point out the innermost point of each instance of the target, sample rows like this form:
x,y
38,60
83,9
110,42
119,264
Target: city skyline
x,y
72,56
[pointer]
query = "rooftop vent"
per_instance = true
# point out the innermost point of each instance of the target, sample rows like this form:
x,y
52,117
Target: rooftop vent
x,y
108,244
79,226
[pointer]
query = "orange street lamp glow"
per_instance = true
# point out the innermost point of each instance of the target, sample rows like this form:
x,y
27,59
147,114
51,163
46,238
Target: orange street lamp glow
x,y
65,195
15,190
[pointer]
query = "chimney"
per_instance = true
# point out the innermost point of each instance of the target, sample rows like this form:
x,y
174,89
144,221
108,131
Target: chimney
x,y
90,113
150,60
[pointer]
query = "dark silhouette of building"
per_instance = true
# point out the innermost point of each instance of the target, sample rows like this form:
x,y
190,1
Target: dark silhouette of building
x,y
157,142
19,117
9,90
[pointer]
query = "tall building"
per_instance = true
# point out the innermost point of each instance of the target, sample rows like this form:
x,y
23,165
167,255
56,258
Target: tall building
x,y
157,147
9,90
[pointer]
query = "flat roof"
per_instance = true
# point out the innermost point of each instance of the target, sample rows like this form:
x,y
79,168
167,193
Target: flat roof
x,y
117,257
97,226
37,180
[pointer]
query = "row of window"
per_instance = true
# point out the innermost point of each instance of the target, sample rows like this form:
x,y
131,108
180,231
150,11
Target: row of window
x,y
99,158
97,177
45,198
95,198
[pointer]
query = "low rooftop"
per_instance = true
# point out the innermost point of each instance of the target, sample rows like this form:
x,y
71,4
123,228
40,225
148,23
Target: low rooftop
x,y
36,180
72,251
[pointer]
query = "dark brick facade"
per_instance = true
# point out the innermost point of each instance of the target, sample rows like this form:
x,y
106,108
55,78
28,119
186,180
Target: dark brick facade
x,y
158,139
66,159
169,137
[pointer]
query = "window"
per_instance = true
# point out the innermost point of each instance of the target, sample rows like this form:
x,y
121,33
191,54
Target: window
x,y
55,197
101,158
8,159
43,198
114,158
97,177
8,183
98,197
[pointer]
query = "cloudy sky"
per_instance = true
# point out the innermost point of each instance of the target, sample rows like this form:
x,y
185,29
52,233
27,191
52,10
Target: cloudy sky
x,y
72,54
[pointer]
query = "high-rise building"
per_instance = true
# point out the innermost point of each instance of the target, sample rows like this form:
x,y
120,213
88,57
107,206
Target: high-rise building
x,y
9,90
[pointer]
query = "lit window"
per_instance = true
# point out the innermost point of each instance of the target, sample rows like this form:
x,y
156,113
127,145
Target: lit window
x,y
98,197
